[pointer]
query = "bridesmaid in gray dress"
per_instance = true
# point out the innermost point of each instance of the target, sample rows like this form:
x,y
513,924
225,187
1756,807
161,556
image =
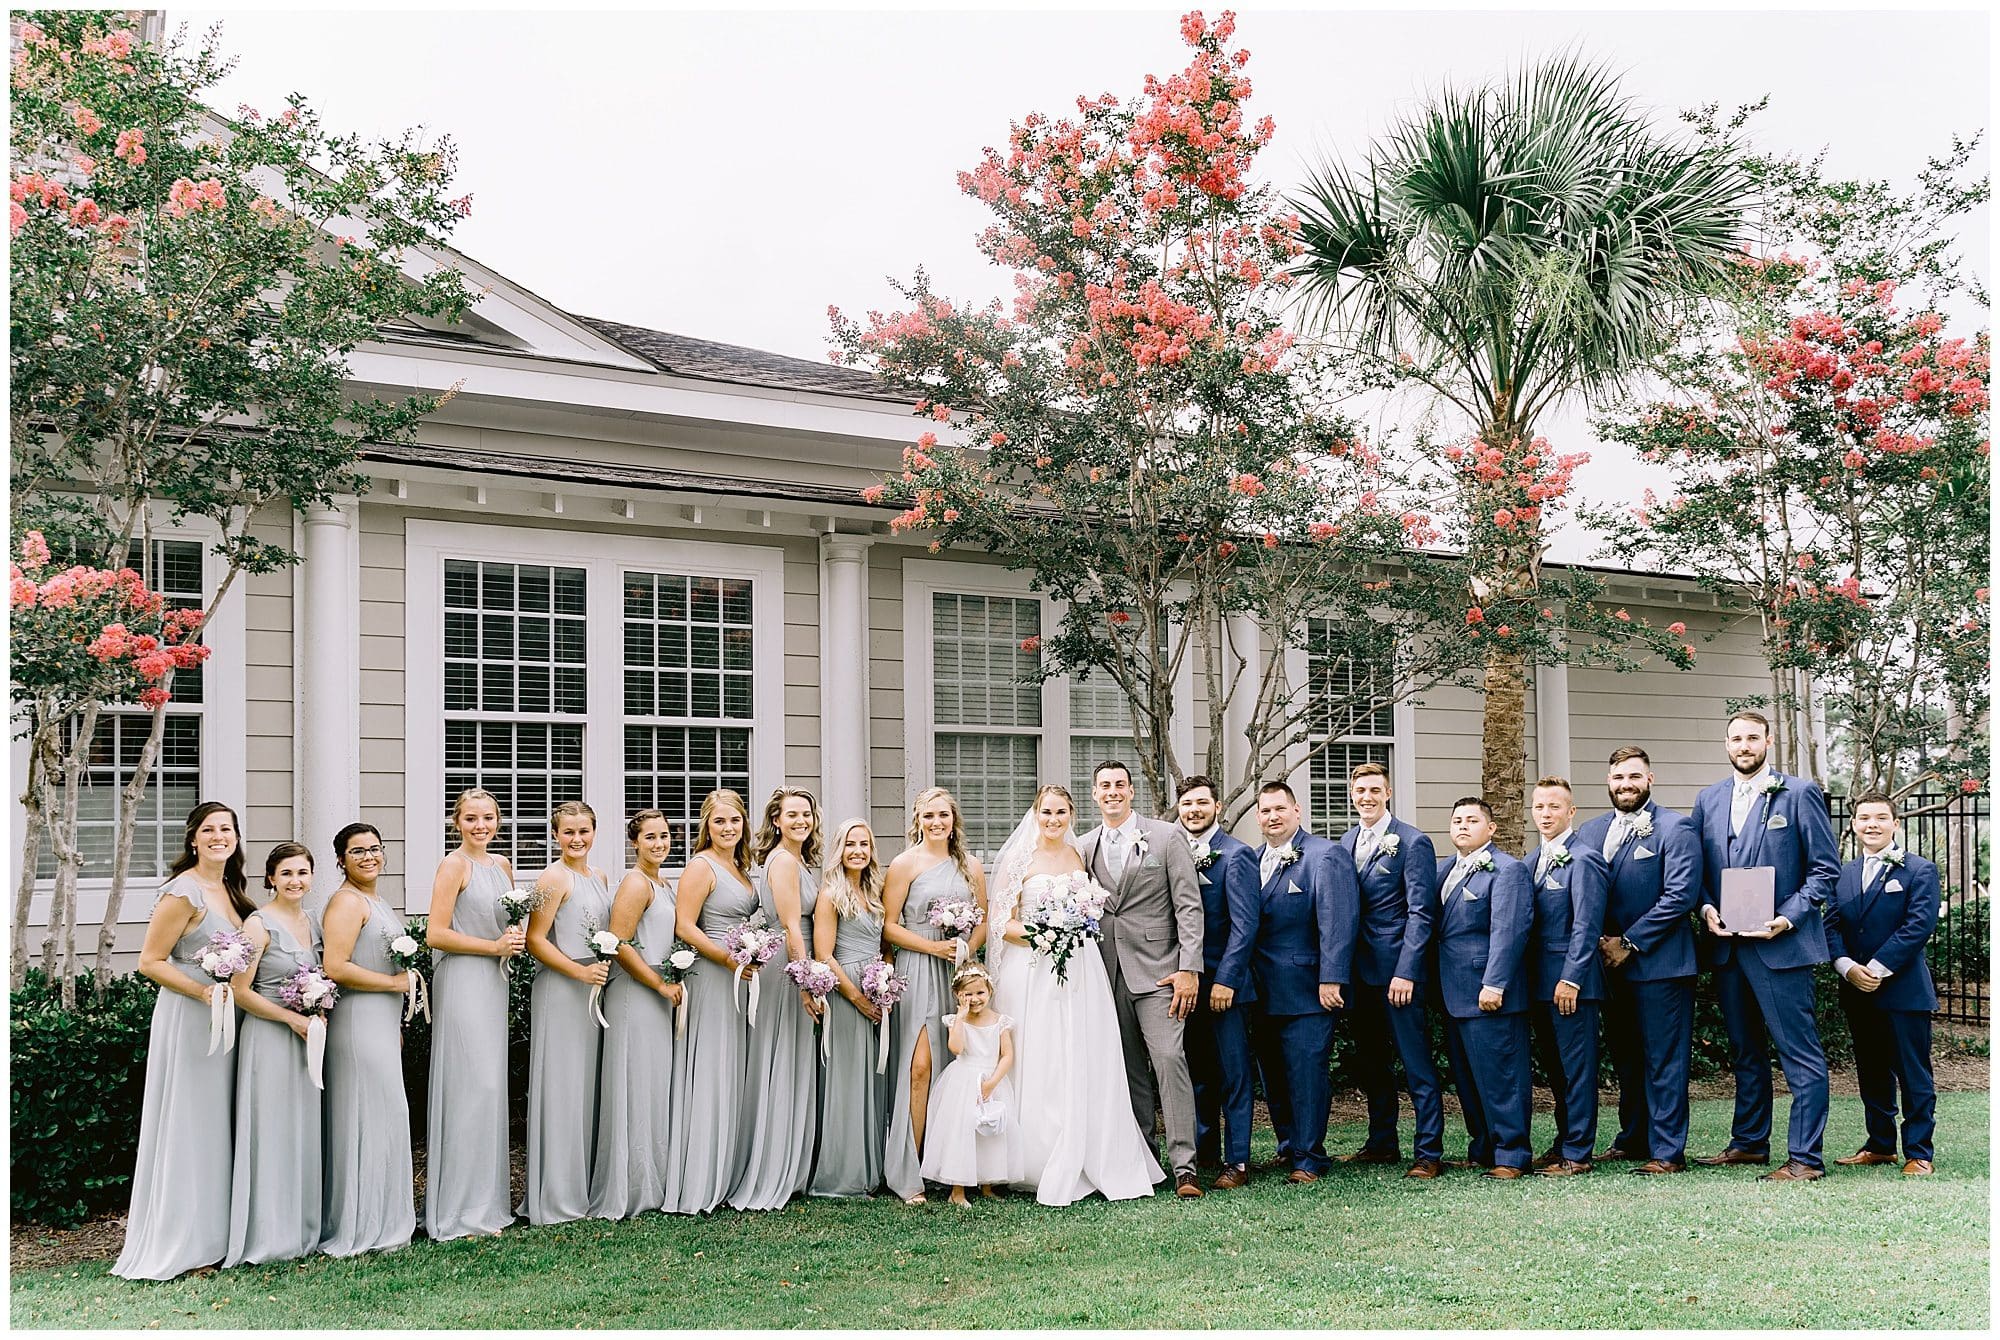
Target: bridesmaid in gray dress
x,y
274,1192
715,896
465,1153
780,1123
179,1218
847,934
370,1203
635,1085
935,867
566,1041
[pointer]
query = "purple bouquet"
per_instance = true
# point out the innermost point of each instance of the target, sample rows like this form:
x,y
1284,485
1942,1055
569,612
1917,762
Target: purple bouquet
x,y
311,992
960,916
882,984
226,954
752,940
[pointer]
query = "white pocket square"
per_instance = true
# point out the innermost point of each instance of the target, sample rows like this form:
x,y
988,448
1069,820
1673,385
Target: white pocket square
x,y
1642,853
1893,886
1469,896
1553,883
1293,888
1776,821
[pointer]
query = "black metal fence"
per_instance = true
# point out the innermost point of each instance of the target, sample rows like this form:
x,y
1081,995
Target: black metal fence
x,y
1952,829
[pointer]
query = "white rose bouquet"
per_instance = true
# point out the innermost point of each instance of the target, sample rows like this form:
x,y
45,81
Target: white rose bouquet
x,y
604,944
411,954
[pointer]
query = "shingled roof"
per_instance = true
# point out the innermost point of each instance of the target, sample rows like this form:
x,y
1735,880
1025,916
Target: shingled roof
x,y
708,360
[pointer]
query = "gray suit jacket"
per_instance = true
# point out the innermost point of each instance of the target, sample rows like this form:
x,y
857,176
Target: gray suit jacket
x,y
1153,920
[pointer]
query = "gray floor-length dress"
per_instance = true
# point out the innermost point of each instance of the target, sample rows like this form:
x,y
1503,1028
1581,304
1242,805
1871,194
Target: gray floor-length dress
x,y
635,1083
563,1053
274,1193
780,1123
921,1010
710,1062
180,1186
465,1154
370,1201
854,1115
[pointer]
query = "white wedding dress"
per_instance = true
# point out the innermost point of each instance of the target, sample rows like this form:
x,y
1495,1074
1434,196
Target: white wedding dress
x,y
1075,1112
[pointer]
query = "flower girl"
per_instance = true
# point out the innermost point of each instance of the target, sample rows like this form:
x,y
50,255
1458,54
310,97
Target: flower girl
x,y
970,1123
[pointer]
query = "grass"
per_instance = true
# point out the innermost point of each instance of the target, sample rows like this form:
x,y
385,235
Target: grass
x,y
1362,1248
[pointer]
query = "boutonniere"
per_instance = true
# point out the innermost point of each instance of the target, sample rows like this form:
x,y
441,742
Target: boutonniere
x,y
1559,857
1774,784
1139,846
1892,857
1390,844
1642,824
1286,855
1483,861
1204,857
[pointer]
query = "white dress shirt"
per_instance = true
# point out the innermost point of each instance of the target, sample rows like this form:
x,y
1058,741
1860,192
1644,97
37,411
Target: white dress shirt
x,y
1461,871
1621,828
1267,864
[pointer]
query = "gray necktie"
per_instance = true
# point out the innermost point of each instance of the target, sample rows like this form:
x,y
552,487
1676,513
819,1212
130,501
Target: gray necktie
x,y
1364,848
1459,873
1870,867
1620,828
1115,856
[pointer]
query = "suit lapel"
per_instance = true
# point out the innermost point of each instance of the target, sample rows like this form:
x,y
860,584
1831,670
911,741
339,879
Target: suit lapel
x,y
1871,891
1632,839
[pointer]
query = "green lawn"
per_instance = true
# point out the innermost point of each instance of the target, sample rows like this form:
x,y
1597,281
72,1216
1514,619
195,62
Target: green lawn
x,y
1362,1248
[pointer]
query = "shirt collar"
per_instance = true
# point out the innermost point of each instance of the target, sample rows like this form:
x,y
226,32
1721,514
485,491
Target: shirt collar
x,y
1380,828
1130,828
1291,843
1756,781
1561,839
1473,855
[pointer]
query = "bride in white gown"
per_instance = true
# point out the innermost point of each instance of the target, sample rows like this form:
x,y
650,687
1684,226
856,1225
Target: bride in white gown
x,y
1075,1121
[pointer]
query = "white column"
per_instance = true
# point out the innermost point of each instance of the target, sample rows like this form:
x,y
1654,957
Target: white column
x,y
843,676
326,646
1552,720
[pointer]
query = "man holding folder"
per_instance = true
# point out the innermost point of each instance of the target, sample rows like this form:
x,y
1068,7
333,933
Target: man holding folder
x,y
1767,837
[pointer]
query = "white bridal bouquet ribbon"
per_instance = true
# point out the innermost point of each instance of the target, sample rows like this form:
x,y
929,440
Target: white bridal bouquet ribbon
x,y
311,992
408,956
881,984
226,954
751,942
675,970
604,944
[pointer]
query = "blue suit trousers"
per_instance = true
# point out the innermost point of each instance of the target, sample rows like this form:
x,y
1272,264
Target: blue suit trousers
x,y
1568,1046
1378,1029
1218,1054
1650,1029
1892,1048
1489,1064
1762,1006
1297,1048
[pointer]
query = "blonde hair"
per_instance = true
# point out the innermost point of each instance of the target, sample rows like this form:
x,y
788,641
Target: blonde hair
x,y
851,898
1051,789
768,837
967,975
703,841
571,809
469,794
955,844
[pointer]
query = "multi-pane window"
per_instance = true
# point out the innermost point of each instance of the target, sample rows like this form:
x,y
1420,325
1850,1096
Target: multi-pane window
x,y
515,688
1100,723
174,569
688,672
1352,709
986,710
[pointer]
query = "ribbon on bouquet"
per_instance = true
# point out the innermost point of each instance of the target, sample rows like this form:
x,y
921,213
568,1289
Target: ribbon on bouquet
x,y
825,1048
417,999
882,1042
597,1005
222,1018
316,1050
736,996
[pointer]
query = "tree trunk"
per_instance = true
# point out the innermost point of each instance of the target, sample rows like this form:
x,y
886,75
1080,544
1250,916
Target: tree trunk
x,y
59,949
34,800
1503,769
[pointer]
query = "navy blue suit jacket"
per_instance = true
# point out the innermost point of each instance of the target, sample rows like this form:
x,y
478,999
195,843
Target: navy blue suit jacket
x,y
1224,884
1889,921
1483,929
1397,891
1569,916
1655,883
1790,831
1303,925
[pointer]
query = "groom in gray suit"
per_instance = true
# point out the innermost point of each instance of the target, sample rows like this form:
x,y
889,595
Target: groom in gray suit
x,y
1152,928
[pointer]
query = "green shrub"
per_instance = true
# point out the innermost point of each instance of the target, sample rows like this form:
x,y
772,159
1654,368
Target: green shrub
x,y
1960,952
78,1082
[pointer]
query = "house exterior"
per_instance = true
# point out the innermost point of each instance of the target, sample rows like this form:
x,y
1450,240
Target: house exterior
x,y
633,566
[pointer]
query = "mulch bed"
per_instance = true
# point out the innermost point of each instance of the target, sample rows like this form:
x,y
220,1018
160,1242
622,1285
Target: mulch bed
x,y
37,1247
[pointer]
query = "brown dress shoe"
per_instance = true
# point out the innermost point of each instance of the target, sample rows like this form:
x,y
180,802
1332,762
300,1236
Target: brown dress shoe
x,y
1234,1176
1864,1157
1425,1169
1548,1160
1917,1168
1563,1168
1793,1171
1372,1156
1276,1163
1186,1187
1658,1167
1730,1157
1613,1155
1502,1173
1299,1177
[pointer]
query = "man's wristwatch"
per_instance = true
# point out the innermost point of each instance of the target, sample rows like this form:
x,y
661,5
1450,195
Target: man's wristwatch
x,y
1625,943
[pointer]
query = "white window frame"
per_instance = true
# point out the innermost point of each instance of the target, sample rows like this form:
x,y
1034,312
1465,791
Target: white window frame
x,y
924,578
1402,745
427,544
224,718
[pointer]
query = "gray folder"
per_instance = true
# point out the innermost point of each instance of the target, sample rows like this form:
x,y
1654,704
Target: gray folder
x,y
1749,898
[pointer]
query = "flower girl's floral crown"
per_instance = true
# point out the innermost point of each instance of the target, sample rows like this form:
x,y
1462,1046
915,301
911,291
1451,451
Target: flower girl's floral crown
x,y
970,973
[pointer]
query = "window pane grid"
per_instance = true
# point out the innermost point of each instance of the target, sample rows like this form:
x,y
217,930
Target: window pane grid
x,y
980,673
1364,731
173,568
172,789
514,639
993,778
530,767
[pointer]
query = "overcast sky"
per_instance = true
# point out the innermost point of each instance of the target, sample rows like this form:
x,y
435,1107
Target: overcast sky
x,y
728,176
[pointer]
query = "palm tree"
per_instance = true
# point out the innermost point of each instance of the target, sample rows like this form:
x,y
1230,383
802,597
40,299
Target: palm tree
x,y
1507,247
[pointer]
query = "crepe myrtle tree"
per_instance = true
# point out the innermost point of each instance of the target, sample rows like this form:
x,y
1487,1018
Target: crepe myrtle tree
x,y
1826,440
1502,249
1137,433
185,292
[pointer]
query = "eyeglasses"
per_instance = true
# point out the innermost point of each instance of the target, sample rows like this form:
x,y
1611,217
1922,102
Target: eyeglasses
x,y
353,852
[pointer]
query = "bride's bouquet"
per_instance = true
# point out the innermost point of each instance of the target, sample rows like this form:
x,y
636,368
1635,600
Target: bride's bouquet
x,y
1060,914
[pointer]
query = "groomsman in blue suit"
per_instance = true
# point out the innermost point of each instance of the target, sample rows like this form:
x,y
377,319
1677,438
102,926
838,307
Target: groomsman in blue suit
x,y
1572,884
1301,929
1397,869
1883,912
1649,959
1218,1034
1764,976
1485,915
